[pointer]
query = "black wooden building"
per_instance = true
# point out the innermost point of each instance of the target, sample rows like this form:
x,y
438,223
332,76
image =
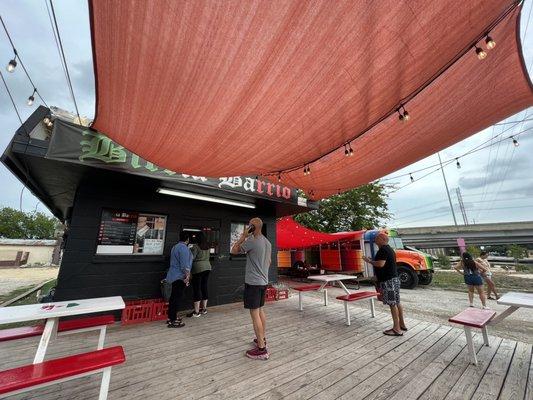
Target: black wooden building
x,y
101,192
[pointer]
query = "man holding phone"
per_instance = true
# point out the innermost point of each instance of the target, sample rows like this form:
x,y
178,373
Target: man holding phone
x,y
258,258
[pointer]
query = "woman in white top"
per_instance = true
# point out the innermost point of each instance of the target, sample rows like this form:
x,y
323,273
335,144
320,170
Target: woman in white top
x,y
487,276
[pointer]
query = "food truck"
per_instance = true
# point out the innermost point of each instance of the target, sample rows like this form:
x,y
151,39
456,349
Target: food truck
x,y
123,214
300,247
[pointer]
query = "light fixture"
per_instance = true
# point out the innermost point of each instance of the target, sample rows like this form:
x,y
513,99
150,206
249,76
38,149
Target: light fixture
x,y
400,115
412,179
46,120
350,151
279,177
481,54
403,115
458,163
307,170
406,115
212,199
11,65
31,99
515,142
490,42
346,152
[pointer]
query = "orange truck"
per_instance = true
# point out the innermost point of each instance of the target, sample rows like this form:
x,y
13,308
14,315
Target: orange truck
x,y
343,252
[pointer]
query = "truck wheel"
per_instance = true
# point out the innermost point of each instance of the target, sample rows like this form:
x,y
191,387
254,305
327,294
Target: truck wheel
x,y
425,278
408,277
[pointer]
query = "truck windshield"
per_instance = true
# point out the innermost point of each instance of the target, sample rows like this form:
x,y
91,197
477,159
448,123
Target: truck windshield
x,y
396,243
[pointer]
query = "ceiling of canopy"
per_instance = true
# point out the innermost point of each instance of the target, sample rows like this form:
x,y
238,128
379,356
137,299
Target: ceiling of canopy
x,y
252,87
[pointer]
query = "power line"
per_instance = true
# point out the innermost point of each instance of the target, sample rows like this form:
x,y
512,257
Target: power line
x,y
17,55
69,81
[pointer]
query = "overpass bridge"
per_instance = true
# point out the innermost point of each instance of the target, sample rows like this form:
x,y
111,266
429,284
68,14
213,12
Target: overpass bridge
x,y
504,233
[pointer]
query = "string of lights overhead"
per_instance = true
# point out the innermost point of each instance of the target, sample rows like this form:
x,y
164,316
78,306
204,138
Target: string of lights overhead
x,y
403,115
12,65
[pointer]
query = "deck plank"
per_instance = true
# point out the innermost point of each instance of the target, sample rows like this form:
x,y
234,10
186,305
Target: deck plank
x,y
513,387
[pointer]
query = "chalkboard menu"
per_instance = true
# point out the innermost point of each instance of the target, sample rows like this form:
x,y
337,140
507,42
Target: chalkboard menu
x,y
125,232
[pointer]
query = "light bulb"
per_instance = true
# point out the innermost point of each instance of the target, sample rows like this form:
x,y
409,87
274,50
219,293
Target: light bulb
x,y
412,179
458,164
400,117
351,151
46,120
481,54
490,43
406,116
11,65
346,152
515,142
49,124
31,99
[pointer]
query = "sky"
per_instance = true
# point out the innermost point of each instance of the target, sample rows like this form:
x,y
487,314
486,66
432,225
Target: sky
x,y
496,183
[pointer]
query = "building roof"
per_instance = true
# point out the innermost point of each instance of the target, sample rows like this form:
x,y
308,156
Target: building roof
x,y
28,242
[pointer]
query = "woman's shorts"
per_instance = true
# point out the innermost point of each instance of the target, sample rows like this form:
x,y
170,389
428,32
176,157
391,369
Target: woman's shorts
x,y
473,280
390,291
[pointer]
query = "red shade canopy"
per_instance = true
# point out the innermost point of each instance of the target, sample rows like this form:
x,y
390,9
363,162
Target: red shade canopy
x,y
292,235
239,87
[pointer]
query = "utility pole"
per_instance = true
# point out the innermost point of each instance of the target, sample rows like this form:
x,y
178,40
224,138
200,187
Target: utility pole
x,y
447,190
461,205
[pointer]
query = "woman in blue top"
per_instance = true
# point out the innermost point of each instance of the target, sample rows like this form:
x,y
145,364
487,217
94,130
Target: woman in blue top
x,y
472,271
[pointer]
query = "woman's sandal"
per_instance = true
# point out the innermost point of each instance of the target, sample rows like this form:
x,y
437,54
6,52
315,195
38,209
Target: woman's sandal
x,y
403,328
392,332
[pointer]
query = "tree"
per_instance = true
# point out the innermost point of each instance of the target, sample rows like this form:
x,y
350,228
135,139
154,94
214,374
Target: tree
x,y
360,208
16,224
517,252
474,251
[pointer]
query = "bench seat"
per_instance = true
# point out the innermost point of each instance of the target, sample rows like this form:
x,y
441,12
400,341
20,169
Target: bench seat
x,y
28,377
64,326
346,298
309,288
474,318
357,296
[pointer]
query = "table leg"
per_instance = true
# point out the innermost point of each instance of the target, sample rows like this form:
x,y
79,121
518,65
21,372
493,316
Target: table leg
x,y
344,287
498,318
300,305
470,345
50,330
372,309
485,335
347,312
325,292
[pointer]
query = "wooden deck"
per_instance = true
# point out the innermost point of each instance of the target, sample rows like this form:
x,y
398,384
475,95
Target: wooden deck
x,y
313,355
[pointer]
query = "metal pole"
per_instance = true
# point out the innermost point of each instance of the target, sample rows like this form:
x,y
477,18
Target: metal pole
x,y
447,190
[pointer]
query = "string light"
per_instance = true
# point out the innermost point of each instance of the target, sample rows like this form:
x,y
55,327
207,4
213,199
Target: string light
x,y
31,99
351,150
411,177
346,152
46,120
490,42
515,142
481,54
279,177
403,115
458,163
307,170
11,65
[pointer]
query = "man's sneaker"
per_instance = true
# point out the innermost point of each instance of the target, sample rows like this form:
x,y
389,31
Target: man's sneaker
x,y
194,314
255,342
258,354
203,311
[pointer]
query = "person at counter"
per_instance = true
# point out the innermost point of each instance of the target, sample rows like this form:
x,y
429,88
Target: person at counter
x,y
178,275
201,267
258,258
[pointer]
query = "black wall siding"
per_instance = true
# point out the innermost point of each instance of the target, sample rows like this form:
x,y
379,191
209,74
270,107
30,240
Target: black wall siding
x,y
83,274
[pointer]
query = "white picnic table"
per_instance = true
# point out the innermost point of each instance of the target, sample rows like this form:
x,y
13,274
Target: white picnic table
x,y
325,279
51,312
514,300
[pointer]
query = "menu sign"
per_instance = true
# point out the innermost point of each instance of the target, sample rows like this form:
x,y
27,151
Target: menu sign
x,y
123,232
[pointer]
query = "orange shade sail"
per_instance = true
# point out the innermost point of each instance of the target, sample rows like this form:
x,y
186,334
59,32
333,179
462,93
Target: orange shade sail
x,y
246,87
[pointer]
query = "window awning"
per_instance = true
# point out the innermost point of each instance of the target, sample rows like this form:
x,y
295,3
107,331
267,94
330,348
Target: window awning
x,y
246,87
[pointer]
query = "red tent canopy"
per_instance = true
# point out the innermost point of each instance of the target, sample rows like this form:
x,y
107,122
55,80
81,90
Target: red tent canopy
x,y
292,235
240,87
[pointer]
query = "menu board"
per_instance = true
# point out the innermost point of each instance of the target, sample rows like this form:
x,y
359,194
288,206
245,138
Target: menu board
x,y
122,232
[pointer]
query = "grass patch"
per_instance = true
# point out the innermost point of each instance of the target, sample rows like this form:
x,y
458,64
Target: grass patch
x,y
503,282
32,299
14,293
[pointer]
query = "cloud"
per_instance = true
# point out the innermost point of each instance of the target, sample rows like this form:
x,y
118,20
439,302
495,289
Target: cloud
x,y
497,171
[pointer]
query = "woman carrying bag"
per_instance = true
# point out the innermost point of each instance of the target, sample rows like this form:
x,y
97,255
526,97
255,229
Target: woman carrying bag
x,y
201,267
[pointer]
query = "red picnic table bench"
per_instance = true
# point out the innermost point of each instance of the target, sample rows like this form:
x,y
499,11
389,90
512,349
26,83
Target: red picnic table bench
x,y
64,328
347,298
309,288
34,376
474,318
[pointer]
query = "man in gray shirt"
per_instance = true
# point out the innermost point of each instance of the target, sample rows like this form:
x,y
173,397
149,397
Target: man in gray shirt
x,y
258,258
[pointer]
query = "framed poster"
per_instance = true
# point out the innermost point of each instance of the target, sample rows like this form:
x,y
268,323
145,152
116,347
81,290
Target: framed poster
x,y
237,228
126,232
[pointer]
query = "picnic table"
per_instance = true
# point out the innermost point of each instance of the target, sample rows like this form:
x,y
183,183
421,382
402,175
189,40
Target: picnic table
x,y
51,312
325,279
514,300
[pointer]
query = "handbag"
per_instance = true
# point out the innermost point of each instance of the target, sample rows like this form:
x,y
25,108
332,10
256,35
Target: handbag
x,y
166,289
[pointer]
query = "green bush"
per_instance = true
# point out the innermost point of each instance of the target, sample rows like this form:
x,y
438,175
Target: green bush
x,y
524,268
444,262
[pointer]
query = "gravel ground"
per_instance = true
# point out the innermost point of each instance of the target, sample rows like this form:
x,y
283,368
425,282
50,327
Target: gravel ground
x,y
15,278
437,305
